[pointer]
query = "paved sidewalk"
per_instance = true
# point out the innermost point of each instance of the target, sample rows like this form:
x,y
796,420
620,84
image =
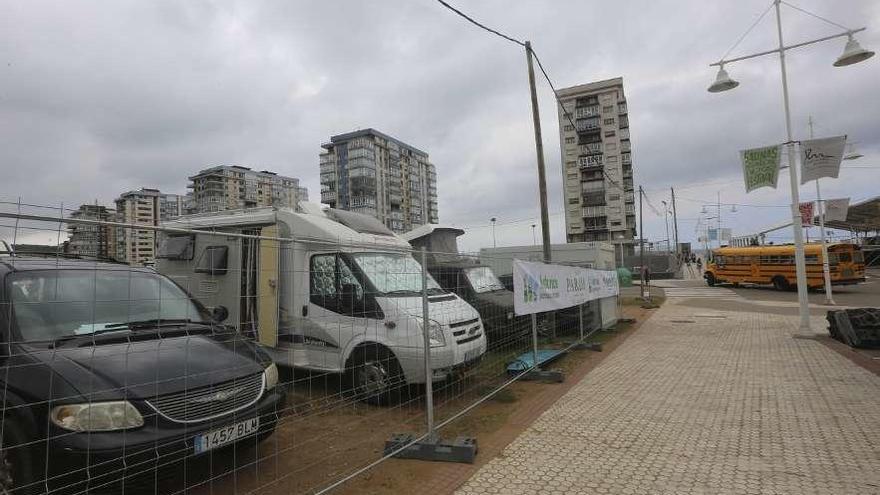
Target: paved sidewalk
x,y
704,402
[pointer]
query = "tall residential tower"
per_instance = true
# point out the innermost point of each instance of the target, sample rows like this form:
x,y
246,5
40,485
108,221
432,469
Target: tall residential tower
x,y
596,163
372,173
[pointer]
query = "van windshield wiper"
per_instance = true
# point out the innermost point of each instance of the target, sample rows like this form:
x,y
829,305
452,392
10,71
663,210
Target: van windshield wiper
x,y
433,291
159,322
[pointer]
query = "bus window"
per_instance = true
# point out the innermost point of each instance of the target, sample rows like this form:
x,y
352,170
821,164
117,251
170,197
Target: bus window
x,y
832,258
812,259
858,257
844,257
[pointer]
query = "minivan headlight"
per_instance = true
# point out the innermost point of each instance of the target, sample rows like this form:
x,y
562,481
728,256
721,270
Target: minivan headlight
x,y
97,416
270,376
435,333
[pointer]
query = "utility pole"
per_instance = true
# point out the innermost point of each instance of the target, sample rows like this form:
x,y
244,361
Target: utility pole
x,y
719,218
666,220
539,150
641,241
674,221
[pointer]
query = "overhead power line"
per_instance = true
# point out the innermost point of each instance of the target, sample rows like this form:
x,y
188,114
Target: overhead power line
x,y
540,66
480,25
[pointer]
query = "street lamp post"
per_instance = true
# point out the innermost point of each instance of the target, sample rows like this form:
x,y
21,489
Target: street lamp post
x,y
853,53
534,236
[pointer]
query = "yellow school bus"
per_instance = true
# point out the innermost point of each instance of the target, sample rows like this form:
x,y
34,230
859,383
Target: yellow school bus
x,y
774,265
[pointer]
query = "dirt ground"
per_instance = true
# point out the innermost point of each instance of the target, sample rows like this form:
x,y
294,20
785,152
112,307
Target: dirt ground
x,y
325,436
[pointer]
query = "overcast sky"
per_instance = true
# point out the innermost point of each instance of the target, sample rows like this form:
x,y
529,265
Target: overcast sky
x,y
97,98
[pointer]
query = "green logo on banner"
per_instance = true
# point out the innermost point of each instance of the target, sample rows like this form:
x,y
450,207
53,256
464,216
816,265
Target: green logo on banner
x,y
760,167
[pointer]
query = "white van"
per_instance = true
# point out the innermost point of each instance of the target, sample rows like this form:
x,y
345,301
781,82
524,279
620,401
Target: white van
x,y
343,296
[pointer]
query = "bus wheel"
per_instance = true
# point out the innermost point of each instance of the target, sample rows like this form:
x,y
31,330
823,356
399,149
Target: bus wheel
x,y
780,283
710,280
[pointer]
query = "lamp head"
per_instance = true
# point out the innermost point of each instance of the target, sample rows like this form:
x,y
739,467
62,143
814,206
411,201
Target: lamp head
x,y
723,82
853,53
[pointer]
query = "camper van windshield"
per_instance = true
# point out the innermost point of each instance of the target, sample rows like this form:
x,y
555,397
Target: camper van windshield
x,y
482,279
394,274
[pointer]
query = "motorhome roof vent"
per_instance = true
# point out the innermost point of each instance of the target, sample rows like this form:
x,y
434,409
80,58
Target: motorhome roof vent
x,y
359,222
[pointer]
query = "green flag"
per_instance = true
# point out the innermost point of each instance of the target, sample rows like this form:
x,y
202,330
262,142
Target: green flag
x,y
761,167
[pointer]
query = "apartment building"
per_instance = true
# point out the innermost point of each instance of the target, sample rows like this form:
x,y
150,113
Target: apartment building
x,y
92,241
234,187
142,207
373,173
597,168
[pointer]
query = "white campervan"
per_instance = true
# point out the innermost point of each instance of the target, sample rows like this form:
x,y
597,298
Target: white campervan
x,y
325,290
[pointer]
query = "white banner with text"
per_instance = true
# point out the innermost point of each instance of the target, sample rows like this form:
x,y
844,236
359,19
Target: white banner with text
x,y
541,287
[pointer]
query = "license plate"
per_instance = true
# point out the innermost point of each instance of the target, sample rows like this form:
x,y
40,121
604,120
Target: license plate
x,y
226,435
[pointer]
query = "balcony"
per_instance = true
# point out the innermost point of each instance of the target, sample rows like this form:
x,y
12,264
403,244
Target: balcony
x,y
624,134
630,209
624,122
591,148
625,146
594,198
621,108
589,111
590,161
588,124
586,101
593,211
626,159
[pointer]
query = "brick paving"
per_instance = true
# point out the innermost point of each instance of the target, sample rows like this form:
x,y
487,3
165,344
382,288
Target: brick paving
x,y
704,402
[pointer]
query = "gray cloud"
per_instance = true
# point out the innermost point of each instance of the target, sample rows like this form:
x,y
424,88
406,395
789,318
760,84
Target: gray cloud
x,y
97,98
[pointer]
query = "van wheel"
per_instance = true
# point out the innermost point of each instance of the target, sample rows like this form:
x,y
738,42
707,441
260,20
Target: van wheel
x,y
780,283
376,376
710,280
16,464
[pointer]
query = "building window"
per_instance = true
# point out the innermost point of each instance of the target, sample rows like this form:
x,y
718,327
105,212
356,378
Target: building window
x,y
568,128
610,133
608,121
612,159
574,201
569,140
607,109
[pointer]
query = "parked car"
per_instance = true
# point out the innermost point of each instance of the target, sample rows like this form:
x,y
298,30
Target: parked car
x,y
110,370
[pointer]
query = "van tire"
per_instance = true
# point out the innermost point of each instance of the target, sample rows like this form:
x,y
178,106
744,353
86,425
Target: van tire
x,y
780,283
16,461
376,377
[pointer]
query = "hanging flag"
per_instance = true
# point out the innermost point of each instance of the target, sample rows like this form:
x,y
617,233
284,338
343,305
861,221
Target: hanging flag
x,y
806,213
836,209
760,167
821,157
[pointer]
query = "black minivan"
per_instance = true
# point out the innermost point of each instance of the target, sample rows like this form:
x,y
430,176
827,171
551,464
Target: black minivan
x,y
110,371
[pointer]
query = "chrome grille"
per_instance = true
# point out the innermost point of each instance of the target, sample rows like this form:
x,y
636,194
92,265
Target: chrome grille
x,y
200,404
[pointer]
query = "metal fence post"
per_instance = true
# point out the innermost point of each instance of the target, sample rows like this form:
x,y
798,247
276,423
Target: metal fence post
x,y
535,340
581,321
426,330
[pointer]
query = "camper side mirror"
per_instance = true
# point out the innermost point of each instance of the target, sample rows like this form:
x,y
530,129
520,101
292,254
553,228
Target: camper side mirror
x,y
220,313
348,300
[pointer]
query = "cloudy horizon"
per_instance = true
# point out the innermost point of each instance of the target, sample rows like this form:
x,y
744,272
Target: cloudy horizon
x,y
101,98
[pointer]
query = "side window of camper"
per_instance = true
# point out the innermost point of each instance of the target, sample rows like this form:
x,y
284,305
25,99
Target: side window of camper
x,y
329,276
213,260
323,281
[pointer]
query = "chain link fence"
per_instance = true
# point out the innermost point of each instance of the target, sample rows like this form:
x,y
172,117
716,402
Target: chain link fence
x,y
259,351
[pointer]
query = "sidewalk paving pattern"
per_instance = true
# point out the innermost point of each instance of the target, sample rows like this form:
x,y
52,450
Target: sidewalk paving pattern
x,y
704,403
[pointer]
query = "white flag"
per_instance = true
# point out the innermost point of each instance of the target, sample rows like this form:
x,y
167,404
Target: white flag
x,y
821,157
836,209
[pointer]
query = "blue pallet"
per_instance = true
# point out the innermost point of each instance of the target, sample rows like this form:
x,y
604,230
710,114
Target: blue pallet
x,y
524,361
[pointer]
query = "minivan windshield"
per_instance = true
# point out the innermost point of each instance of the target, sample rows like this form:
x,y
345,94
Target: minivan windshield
x,y
54,304
482,279
394,274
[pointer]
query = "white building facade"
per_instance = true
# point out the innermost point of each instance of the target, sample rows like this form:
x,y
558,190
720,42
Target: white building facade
x,y
597,168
